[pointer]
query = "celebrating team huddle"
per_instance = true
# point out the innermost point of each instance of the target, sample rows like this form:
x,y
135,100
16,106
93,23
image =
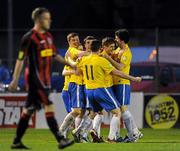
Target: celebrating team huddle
x,y
100,81
96,79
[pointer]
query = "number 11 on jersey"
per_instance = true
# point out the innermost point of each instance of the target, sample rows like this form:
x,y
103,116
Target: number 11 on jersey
x,y
90,74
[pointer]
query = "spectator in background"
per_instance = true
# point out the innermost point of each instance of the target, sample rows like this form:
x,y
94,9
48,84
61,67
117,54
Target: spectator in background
x,y
4,71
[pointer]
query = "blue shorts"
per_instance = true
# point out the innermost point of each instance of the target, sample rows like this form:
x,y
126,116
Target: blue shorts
x,y
122,92
66,99
102,98
77,95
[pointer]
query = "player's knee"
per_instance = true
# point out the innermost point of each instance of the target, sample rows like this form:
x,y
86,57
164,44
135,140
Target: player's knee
x,y
123,108
116,112
49,108
26,113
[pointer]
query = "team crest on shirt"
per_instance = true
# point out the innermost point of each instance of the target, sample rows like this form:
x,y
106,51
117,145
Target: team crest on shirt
x,y
49,41
124,58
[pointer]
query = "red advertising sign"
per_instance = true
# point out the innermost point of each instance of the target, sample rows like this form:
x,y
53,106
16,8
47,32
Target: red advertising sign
x,y
11,106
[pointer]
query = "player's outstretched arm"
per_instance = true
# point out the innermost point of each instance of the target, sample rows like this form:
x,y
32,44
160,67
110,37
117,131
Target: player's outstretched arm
x,y
68,72
125,76
117,65
83,53
60,59
16,75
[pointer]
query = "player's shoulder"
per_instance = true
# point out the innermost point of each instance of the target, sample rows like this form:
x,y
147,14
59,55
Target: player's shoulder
x,y
83,58
26,38
128,48
101,60
72,49
49,34
27,35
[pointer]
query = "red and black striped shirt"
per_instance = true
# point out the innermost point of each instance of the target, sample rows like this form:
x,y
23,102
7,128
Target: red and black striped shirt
x,y
39,50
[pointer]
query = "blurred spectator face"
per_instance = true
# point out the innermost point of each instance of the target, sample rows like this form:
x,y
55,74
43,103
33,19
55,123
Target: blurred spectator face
x,y
45,21
87,45
74,41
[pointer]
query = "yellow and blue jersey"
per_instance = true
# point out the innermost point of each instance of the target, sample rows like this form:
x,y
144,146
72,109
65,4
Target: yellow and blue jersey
x,y
95,68
124,58
108,80
74,52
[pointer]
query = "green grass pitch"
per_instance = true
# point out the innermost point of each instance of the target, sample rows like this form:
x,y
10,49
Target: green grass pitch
x,y
42,140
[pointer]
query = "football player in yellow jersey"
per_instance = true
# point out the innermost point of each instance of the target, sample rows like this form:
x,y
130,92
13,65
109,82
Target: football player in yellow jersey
x,y
80,133
67,72
94,70
108,45
86,124
122,86
75,87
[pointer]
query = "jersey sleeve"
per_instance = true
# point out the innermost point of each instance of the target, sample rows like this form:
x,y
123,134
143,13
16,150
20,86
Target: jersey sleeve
x,y
74,53
24,47
66,67
106,66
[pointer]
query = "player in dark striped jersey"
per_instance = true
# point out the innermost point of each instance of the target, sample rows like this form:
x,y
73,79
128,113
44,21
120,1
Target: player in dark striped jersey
x,y
38,47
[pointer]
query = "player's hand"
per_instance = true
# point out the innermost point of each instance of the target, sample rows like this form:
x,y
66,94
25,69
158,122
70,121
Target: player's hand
x,y
138,79
78,72
13,85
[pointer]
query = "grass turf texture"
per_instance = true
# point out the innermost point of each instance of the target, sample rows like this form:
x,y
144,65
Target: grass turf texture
x,y
42,140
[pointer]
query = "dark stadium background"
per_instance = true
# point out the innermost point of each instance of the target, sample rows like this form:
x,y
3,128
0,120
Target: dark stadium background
x,y
95,17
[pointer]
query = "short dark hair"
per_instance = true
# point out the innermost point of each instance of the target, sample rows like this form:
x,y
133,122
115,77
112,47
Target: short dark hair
x,y
37,12
95,45
88,38
71,35
108,41
123,34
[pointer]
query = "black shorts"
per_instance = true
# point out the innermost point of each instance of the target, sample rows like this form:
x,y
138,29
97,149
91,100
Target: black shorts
x,y
37,98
